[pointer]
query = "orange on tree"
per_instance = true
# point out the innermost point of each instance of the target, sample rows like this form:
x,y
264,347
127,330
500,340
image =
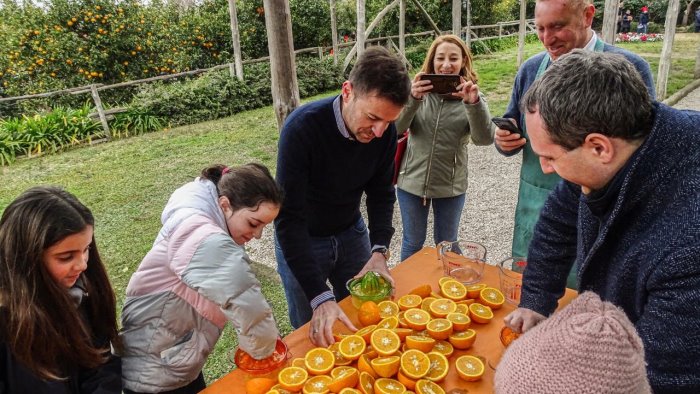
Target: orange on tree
x,y
366,383
352,346
442,307
343,377
364,364
317,385
469,368
388,308
415,364
493,298
444,347
439,328
439,366
385,341
422,290
480,313
319,361
416,318
453,290
409,301
419,342
368,313
292,378
424,386
366,332
259,385
406,381
463,339
390,322
388,386
474,290
386,367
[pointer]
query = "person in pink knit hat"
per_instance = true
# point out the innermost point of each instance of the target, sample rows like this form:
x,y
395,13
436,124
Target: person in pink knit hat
x,y
590,346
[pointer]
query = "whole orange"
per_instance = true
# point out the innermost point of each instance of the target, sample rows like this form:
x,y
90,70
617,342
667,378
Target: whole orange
x,y
368,313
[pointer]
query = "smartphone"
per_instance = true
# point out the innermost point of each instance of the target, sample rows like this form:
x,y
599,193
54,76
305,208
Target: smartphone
x,y
442,83
506,124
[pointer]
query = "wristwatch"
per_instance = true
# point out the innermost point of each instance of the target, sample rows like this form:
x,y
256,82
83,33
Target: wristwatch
x,y
383,250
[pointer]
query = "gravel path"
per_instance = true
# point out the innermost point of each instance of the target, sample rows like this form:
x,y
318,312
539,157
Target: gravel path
x,y
488,212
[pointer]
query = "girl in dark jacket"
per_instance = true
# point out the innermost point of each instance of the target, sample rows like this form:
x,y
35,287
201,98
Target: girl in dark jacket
x,y
57,308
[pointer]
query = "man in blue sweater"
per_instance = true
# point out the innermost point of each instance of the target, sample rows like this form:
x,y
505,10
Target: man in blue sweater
x,y
627,213
331,152
562,25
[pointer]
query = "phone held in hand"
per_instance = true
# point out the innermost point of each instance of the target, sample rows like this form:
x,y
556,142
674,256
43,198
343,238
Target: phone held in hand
x,y
506,124
442,83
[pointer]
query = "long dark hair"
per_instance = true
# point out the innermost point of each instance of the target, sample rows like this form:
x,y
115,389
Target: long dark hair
x,y
38,319
246,186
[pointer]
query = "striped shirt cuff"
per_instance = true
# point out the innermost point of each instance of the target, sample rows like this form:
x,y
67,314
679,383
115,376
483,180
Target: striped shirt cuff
x,y
321,298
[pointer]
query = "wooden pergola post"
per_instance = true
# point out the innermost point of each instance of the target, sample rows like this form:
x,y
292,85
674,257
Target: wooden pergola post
x,y
667,49
334,32
468,40
610,21
236,41
360,29
457,17
285,89
522,32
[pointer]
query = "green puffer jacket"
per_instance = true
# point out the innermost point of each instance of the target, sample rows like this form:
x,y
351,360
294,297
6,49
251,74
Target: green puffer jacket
x,y
435,162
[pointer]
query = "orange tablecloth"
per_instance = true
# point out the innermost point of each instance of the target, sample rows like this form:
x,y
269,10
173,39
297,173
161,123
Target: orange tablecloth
x,y
423,267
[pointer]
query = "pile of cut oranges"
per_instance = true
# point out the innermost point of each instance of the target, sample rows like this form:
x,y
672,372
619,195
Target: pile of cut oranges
x,y
403,346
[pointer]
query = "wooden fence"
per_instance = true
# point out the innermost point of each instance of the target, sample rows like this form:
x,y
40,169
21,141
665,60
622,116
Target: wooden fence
x,y
497,30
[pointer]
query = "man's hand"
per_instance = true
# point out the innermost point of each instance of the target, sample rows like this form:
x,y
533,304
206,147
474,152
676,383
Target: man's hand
x,y
377,263
523,319
508,141
321,327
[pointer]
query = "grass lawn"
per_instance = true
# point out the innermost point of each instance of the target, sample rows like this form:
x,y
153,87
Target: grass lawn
x,y
127,182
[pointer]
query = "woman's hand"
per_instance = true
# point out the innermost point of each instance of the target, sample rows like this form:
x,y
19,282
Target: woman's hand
x,y
420,87
468,92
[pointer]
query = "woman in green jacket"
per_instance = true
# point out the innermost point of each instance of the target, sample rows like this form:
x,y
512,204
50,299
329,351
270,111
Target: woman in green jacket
x,y
433,170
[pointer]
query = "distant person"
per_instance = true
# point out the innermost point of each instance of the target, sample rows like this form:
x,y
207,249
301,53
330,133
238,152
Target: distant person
x,y
196,278
588,347
58,316
331,153
627,21
562,25
643,21
625,216
434,173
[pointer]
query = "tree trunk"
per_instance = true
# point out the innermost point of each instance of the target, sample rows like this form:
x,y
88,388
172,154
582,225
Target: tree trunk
x,y
285,90
402,27
235,40
430,20
666,49
468,40
334,32
457,17
522,32
610,21
688,9
360,30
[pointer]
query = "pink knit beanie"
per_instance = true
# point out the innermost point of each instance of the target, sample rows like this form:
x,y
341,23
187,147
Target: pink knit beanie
x,y
590,346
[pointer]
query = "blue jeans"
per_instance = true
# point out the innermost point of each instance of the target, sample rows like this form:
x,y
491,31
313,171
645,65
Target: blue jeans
x,y
414,218
340,257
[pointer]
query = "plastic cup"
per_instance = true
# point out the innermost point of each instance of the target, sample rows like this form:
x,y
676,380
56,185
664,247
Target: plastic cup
x,y
511,274
358,297
462,260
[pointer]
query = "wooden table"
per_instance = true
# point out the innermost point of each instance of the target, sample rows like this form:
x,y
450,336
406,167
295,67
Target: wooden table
x,y
421,268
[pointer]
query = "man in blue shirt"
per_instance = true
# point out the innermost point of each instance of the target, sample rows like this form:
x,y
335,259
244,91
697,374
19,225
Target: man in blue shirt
x,y
331,152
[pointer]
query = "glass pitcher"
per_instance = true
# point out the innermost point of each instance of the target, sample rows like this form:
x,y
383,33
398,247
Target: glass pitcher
x,y
462,260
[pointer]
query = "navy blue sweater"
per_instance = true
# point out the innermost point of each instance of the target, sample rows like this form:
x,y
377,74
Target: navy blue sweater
x,y
642,255
324,175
